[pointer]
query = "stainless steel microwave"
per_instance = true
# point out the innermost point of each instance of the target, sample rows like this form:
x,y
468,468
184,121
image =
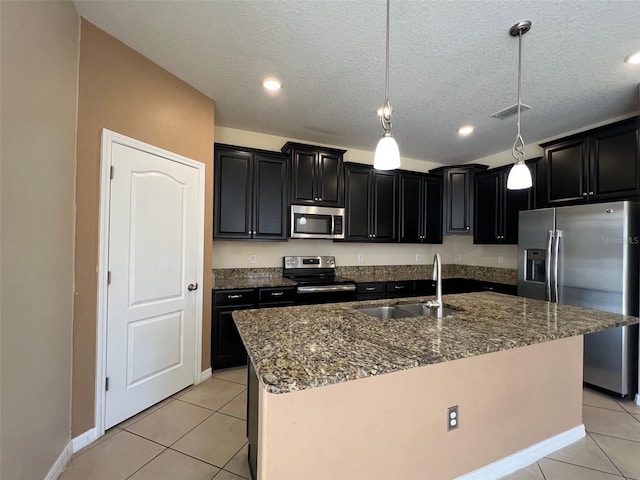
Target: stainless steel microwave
x,y
317,222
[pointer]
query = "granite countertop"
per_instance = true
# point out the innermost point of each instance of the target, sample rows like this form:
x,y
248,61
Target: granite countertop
x,y
296,348
229,283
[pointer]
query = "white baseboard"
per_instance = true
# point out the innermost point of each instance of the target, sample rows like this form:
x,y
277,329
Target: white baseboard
x,y
84,439
205,375
61,463
526,457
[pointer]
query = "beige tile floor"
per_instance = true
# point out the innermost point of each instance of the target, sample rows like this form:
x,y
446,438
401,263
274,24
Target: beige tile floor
x,y
199,434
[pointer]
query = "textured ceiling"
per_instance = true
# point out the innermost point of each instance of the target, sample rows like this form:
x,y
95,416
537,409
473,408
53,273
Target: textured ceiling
x,y
453,62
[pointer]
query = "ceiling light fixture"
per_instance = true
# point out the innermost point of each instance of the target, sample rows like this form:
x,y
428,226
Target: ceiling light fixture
x,y
387,156
519,175
633,59
272,84
465,130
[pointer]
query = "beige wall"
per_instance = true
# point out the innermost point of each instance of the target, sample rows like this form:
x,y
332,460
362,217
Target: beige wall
x,y
455,248
394,425
39,84
125,92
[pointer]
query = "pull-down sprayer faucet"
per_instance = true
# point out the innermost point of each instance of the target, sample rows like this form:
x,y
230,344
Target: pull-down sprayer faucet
x,y
437,276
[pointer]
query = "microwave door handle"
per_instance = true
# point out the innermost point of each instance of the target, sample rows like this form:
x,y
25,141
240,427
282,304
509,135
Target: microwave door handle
x,y
547,267
556,255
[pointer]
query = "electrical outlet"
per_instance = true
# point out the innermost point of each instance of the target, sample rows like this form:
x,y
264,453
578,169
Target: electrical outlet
x,y
418,257
252,258
500,259
458,258
360,257
453,418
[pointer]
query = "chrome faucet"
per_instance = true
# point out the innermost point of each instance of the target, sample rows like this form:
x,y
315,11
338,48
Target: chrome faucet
x,y
437,276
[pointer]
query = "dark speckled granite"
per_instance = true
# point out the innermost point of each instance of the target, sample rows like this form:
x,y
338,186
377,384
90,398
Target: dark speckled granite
x,y
229,278
296,348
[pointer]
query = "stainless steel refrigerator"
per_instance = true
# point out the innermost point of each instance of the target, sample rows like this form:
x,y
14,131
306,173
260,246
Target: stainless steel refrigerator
x,y
587,255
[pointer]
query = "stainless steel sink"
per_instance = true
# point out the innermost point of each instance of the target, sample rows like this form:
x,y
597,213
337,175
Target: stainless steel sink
x,y
404,311
422,310
385,313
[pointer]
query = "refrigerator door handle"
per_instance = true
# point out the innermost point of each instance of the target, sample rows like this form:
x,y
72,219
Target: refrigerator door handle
x,y
556,253
547,266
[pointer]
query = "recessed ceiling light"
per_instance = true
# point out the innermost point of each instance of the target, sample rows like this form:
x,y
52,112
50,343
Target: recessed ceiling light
x,y
272,84
634,58
466,130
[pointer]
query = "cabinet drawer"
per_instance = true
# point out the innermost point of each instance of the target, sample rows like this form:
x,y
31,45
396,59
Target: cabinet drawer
x,y
399,289
369,288
245,296
276,295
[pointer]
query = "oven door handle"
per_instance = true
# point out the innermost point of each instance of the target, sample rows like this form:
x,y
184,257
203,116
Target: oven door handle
x,y
327,288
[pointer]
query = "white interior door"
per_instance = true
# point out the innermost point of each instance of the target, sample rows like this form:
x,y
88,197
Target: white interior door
x,y
151,304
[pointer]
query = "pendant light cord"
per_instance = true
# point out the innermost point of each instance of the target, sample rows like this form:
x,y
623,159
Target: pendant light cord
x,y
517,151
385,118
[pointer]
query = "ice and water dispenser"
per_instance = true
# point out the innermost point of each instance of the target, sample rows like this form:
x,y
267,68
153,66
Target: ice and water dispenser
x,y
535,265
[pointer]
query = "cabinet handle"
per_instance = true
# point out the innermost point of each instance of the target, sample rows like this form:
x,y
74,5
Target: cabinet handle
x,y
467,228
370,289
584,194
399,287
277,294
231,297
374,235
590,193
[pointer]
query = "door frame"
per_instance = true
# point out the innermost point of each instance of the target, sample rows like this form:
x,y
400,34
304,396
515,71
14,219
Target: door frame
x,y
108,139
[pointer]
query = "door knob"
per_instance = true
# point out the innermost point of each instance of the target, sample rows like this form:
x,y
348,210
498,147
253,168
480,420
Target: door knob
x,y
192,287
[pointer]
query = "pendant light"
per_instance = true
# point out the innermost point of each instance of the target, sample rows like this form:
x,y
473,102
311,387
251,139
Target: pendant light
x,y
519,175
387,156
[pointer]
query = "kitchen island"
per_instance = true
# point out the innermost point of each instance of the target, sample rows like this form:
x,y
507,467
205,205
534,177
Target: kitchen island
x,y
335,393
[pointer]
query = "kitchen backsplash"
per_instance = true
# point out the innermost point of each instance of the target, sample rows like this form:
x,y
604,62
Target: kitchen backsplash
x,y
458,250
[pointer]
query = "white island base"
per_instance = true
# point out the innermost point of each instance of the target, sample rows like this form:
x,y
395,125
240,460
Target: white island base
x,y
515,406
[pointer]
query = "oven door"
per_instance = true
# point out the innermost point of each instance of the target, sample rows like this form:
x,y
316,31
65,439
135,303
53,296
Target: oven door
x,y
316,294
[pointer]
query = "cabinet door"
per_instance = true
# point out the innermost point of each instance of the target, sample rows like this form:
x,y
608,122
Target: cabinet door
x,y
227,349
233,171
513,202
432,209
384,207
330,180
270,199
566,171
614,165
411,200
357,203
458,201
304,175
488,211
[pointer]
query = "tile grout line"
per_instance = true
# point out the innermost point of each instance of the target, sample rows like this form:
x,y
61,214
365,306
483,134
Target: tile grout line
x,y
586,468
165,449
605,453
614,436
541,471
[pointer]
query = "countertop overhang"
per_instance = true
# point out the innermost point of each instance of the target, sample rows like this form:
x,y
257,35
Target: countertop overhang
x,y
301,347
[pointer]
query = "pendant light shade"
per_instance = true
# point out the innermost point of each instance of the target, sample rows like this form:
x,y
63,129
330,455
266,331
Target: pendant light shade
x,y
387,156
519,175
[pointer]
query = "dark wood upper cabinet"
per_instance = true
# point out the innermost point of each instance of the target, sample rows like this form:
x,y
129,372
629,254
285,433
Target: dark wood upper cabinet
x,y
601,164
497,209
458,185
250,193
317,175
371,204
420,216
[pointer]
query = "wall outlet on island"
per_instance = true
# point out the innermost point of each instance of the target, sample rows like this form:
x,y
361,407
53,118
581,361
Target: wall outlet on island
x,y
453,418
418,257
360,257
252,258
500,259
458,258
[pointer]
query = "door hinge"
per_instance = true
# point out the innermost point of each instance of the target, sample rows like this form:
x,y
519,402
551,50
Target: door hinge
x,y
109,277
111,172
106,384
